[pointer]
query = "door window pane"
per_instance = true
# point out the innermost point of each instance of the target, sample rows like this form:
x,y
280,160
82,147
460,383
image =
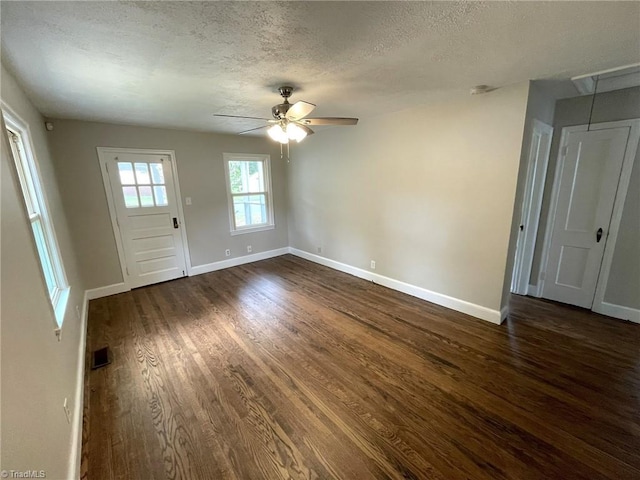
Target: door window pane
x,y
142,173
126,173
130,197
157,174
160,193
146,197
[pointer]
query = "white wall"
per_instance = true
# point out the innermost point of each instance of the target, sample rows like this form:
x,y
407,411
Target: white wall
x,y
201,175
38,371
427,193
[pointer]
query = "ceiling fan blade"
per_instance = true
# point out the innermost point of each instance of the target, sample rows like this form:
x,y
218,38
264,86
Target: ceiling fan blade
x,y
299,110
239,116
252,130
305,128
330,121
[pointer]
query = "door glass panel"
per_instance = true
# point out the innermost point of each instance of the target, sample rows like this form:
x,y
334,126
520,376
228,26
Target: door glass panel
x,y
160,193
142,173
130,197
146,197
126,173
157,174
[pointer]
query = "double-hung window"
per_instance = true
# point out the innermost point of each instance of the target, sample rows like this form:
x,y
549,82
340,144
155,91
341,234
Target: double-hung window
x,y
249,191
43,234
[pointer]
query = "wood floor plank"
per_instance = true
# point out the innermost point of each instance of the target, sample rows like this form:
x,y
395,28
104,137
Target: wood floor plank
x,y
287,369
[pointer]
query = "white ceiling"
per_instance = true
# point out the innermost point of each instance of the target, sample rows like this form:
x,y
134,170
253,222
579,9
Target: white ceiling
x,y
174,64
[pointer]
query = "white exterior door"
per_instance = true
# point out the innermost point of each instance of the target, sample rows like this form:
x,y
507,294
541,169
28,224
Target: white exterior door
x,y
143,195
585,193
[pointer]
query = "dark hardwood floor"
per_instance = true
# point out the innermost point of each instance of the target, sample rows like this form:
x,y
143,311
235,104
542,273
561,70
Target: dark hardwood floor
x,y
287,369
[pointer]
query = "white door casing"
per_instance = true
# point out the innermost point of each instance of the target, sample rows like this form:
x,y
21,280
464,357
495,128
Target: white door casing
x,y
147,220
537,162
587,180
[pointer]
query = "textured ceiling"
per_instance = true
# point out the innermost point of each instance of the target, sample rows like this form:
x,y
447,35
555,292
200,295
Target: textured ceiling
x,y
174,64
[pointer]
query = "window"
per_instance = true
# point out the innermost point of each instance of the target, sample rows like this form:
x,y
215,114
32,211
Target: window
x,y
143,184
34,200
249,188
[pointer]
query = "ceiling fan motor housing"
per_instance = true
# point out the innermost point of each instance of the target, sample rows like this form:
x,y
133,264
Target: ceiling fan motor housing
x,y
279,111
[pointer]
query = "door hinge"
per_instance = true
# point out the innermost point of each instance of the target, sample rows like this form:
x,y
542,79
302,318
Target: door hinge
x,y
127,269
564,150
106,165
117,222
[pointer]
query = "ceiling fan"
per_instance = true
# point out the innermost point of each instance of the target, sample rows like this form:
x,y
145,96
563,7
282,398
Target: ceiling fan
x,y
289,120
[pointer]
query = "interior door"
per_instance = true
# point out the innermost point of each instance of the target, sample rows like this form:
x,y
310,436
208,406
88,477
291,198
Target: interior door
x,y
537,162
589,177
145,200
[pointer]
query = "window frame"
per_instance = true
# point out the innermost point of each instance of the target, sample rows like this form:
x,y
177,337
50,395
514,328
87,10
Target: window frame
x,y
37,211
266,168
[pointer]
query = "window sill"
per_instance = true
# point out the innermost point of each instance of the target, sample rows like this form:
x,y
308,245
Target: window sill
x,y
260,228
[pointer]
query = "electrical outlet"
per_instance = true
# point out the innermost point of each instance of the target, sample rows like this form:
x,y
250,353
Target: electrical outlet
x,y
65,407
227,253
319,249
249,249
78,311
187,200
373,264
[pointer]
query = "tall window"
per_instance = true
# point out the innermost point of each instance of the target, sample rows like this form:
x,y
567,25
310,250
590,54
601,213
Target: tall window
x,y
46,244
249,189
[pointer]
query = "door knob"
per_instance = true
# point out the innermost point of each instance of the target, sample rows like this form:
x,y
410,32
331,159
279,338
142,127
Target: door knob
x,y
599,235
175,223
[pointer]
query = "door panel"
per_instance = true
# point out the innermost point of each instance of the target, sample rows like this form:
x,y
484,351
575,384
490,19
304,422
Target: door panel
x,y
589,177
145,201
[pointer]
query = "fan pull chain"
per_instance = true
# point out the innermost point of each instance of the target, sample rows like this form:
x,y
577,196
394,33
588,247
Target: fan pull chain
x,y
288,156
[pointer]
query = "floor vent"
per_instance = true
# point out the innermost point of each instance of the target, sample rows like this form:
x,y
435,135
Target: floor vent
x,y
100,358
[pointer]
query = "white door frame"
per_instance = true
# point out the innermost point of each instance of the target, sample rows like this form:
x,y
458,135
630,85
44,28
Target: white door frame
x,y
537,163
103,157
618,205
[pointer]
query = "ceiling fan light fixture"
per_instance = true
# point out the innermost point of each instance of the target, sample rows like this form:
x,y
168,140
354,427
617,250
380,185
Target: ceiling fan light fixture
x,y
294,132
278,134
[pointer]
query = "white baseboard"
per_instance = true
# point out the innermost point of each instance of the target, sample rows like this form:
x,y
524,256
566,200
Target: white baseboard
x,y
478,311
234,262
617,311
105,291
504,313
78,404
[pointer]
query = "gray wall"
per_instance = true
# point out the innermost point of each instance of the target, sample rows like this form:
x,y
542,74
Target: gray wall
x,y
38,371
201,174
623,287
428,193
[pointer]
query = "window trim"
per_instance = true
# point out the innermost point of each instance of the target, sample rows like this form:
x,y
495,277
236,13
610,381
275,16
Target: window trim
x,y
37,209
266,162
